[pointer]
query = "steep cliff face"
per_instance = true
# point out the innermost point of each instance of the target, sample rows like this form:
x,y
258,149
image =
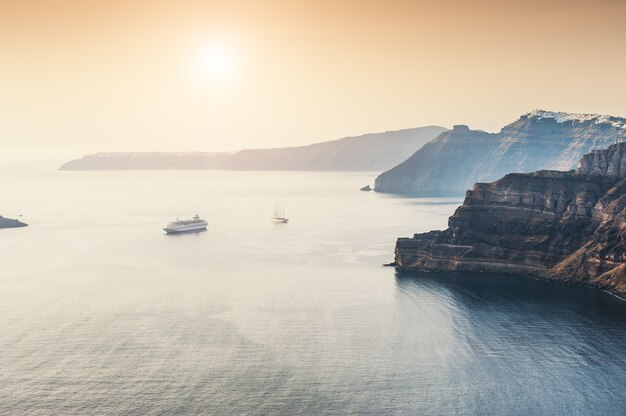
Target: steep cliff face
x,y
602,162
538,140
369,152
565,226
428,171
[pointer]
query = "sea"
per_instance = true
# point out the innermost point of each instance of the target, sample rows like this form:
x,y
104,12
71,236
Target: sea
x,y
102,313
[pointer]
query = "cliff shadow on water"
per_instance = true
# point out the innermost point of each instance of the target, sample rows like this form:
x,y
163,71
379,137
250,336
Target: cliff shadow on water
x,y
530,338
424,194
478,291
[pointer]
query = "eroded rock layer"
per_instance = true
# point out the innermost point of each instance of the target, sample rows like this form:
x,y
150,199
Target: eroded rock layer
x,y
565,226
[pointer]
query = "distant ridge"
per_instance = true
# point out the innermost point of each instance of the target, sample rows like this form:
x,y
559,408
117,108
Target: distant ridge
x,y
540,139
368,152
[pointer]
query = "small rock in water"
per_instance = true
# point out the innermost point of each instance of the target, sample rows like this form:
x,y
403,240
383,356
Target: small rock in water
x,y
366,188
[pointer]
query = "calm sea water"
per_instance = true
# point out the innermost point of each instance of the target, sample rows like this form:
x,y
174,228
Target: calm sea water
x,y
101,313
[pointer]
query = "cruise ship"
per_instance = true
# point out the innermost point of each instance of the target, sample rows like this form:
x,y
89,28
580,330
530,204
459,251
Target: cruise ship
x,y
184,226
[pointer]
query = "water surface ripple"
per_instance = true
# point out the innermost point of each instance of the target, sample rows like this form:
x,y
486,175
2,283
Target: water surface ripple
x,y
100,313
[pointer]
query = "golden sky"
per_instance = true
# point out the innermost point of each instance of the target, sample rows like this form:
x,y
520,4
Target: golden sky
x,y
81,76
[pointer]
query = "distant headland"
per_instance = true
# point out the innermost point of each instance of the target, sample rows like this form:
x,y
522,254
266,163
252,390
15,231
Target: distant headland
x,y
10,223
458,158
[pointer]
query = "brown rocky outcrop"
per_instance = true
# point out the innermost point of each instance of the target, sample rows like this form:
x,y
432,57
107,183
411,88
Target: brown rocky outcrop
x,y
564,226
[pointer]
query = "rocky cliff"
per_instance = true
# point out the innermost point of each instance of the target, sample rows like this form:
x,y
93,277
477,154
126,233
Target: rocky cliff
x,y
563,226
369,152
457,159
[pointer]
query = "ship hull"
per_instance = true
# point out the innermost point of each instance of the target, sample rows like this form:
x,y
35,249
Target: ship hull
x,y
185,230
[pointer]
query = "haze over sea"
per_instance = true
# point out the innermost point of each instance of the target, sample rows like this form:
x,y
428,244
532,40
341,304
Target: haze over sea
x,y
101,313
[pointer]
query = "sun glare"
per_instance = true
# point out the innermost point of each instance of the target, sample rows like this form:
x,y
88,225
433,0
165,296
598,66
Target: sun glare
x,y
217,62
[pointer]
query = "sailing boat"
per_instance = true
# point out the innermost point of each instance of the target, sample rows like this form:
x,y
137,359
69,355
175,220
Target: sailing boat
x,y
279,215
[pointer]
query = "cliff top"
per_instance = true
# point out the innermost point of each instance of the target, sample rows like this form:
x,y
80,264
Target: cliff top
x,y
562,117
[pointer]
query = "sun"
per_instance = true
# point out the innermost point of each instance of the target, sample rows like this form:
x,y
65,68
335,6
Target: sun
x,y
217,62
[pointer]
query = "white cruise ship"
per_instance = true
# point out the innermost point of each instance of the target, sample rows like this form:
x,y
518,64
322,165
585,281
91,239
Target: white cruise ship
x,y
183,226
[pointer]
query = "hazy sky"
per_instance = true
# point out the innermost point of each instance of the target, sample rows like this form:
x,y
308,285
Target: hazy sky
x,y
84,76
